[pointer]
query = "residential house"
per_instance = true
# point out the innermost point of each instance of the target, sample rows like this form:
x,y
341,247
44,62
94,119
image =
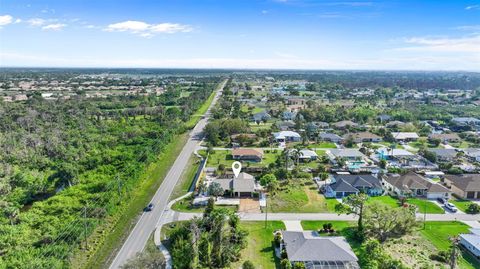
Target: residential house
x,y
445,138
395,124
466,121
307,155
288,115
444,155
344,185
347,154
465,186
287,136
384,118
285,125
344,124
297,101
364,137
473,154
412,184
243,185
330,137
314,251
401,158
405,136
247,154
261,116
471,242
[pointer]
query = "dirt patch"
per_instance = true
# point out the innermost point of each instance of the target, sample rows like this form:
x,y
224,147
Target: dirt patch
x,y
249,205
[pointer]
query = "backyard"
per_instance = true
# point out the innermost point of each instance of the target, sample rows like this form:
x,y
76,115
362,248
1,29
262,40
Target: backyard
x,y
225,157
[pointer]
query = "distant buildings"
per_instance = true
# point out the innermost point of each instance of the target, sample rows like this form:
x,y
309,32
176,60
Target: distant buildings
x,y
464,186
412,184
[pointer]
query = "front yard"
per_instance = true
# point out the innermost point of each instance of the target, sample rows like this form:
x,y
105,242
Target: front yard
x,y
424,206
300,196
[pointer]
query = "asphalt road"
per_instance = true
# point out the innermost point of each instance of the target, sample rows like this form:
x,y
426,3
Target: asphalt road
x,y
138,237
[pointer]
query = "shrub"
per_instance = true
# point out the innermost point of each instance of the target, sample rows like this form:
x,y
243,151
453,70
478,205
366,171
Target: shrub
x,y
473,208
285,264
441,256
248,265
277,239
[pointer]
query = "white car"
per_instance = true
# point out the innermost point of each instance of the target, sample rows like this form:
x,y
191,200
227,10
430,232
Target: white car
x,y
451,207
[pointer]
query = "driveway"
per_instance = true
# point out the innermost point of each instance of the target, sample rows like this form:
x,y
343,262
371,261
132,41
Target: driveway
x,y
293,225
249,205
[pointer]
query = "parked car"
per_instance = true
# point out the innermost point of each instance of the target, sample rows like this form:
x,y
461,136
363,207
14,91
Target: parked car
x,y
451,207
148,208
442,200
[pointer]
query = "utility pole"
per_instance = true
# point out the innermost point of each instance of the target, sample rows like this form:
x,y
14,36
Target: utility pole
x,y
266,209
85,227
424,214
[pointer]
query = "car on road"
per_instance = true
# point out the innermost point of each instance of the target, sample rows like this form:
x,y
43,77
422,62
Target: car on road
x,y
442,200
148,208
451,207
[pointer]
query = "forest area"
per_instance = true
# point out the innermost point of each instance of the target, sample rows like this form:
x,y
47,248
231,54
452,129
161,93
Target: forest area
x,y
69,166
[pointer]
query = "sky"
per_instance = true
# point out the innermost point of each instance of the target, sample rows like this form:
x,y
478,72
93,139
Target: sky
x,y
263,34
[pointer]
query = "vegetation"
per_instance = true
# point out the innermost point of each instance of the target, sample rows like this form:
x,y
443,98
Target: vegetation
x,y
81,163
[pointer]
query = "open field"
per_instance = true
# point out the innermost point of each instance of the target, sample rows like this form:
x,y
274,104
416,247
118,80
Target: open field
x,y
424,206
301,198
187,177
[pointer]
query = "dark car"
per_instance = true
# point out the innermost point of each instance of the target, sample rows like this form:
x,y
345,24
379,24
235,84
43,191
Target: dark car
x,y
442,200
148,208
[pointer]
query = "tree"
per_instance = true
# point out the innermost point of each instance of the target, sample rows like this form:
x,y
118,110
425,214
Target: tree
x,y
454,252
248,265
270,182
382,222
148,259
354,204
215,189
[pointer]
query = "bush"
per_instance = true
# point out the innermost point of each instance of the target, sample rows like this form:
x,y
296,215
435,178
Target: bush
x,y
285,264
299,265
248,265
441,256
277,239
473,208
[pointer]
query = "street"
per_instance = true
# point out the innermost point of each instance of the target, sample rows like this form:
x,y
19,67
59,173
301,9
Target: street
x,y
138,237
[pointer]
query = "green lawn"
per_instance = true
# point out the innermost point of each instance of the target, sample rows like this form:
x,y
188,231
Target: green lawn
x,y
262,126
325,145
386,199
439,233
431,208
299,198
225,157
315,225
184,205
425,206
260,249
186,178
462,205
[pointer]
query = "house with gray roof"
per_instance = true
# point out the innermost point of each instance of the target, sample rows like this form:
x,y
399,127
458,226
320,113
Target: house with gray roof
x,y
444,155
261,116
243,185
330,137
466,121
471,242
318,252
473,154
345,185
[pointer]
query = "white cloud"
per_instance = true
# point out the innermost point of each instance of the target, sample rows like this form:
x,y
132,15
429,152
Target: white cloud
x,y
472,7
147,30
18,21
54,26
5,19
444,44
264,12
36,22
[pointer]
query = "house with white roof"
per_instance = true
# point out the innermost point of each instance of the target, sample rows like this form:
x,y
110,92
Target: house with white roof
x,y
405,136
287,136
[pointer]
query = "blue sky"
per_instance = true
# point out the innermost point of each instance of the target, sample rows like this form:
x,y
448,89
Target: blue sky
x,y
278,34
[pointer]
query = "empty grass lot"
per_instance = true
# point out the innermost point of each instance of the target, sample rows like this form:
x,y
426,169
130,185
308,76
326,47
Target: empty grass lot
x,y
225,157
424,206
323,145
300,197
186,178
439,233
338,225
462,205
260,249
